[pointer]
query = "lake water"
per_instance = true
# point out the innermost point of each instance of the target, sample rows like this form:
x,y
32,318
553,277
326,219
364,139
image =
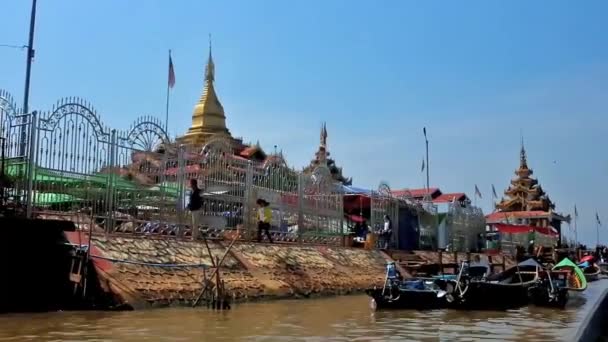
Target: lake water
x,y
328,319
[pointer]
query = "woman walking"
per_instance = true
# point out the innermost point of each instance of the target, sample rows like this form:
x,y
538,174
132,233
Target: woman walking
x,y
264,219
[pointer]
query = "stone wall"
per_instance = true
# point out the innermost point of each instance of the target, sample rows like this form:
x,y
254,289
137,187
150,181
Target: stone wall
x,y
250,271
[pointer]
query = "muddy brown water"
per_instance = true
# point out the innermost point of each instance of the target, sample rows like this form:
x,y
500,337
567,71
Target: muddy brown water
x,y
328,319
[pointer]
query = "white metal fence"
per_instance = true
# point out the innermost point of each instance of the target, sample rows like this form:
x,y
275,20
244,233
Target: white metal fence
x,y
66,162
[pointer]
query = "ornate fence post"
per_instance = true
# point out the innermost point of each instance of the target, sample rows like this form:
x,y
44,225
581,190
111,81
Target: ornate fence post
x,y
163,215
181,179
247,200
300,197
110,183
31,163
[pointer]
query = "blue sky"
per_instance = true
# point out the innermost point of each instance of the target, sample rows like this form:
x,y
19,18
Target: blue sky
x,y
475,73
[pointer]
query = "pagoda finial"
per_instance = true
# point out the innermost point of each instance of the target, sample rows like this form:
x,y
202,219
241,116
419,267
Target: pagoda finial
x,y
523,162
324,135
210,69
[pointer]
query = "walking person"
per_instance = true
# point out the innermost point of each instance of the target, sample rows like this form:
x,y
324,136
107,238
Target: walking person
x,y
264,219
195,205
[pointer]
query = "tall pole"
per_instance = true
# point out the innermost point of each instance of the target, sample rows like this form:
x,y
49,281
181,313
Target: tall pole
x,y
597,232
427,160
475,201
575,229
28,71
168,87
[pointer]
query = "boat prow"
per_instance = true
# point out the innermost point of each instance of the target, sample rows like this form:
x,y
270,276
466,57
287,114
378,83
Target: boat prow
x,y
575,278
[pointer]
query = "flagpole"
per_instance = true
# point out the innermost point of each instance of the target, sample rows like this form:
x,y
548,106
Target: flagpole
x,y
167,105
575,229
28,73
475,203
597,229
427,159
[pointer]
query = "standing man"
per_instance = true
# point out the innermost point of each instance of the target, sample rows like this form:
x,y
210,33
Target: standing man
x,y
387,232
195,206
264,219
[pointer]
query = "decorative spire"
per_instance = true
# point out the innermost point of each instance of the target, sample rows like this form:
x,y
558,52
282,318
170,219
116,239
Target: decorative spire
x,y
523,162
208,112
210,68
324,135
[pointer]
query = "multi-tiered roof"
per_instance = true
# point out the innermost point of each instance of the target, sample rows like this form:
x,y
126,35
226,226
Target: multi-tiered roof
x,y
525,200
524,193
322,159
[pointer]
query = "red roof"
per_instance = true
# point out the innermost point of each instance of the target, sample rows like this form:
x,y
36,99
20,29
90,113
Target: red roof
x,y
416,193
356,202
500,216
188,169
248,152
446,198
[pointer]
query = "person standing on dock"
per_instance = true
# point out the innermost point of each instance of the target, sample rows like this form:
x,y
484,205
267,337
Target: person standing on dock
x,y
264,219
195,205
387,232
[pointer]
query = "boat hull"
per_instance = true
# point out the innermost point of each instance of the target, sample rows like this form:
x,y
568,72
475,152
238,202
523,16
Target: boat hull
x,y
592,276
404,299
604,268
490,296
592,273
542,295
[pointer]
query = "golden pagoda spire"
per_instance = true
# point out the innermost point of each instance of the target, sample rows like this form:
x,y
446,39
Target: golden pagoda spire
x,y
208,116
210,68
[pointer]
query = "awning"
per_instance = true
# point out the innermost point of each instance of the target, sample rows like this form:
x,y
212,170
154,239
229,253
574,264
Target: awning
x,y
356,218
515,229
347,189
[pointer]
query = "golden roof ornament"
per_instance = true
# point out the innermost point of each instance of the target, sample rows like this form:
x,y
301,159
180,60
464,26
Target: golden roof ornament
x,y
210,68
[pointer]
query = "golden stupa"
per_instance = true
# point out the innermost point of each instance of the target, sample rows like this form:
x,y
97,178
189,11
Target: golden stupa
x,y
208,118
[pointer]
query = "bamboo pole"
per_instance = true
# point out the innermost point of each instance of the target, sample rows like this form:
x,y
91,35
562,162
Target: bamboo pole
x,y
217,267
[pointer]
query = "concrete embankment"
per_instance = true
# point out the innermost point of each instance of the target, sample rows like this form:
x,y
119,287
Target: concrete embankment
x,y
147,272
593,325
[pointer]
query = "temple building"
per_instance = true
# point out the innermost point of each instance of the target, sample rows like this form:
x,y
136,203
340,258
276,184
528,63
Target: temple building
x,y
322,158
526,203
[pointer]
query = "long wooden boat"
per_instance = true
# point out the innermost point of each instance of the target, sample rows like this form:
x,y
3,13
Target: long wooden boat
x,y
575,280
413,293
603,267
551,290
419,294
592,272
505,290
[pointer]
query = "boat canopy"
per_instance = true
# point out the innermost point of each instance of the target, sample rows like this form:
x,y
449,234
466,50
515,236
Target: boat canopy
x,y
530,262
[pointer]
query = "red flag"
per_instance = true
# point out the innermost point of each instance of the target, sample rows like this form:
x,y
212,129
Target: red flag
x,y
171,72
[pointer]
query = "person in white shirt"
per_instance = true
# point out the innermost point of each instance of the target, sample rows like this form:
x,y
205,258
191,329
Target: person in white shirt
x,y
387,232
